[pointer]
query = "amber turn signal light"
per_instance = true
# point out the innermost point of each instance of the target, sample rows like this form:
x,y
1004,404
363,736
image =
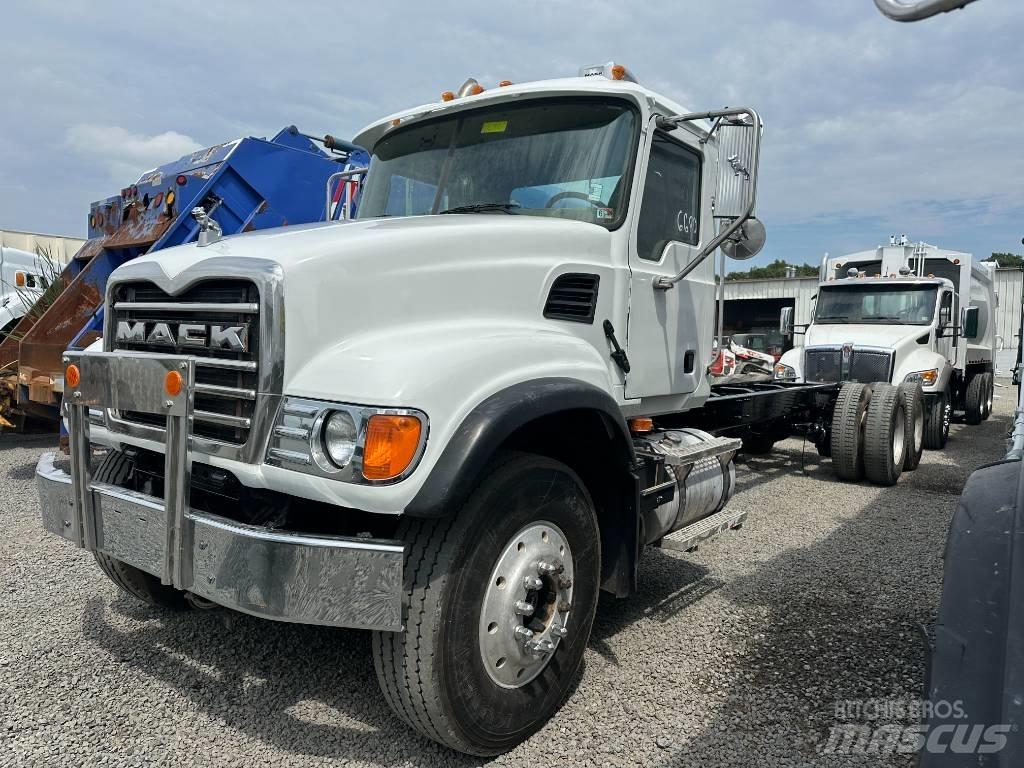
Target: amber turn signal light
x,y
173,383
72,376
391,444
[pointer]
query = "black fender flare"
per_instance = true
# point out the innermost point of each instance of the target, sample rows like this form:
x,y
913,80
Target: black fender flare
x,y
490,424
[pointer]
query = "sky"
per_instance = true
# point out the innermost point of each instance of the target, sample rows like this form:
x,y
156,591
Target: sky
x,y
872,127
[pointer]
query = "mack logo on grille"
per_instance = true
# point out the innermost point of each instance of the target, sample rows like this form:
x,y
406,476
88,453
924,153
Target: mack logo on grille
x,y
234,338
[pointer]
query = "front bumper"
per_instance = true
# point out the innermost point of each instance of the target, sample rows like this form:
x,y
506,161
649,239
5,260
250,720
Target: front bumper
x,y
282,575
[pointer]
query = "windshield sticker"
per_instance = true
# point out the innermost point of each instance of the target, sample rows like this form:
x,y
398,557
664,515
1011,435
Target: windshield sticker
x,y
606,213
595,191
494,126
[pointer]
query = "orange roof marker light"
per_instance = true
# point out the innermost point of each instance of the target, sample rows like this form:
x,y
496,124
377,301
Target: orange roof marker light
x,y
469,88
609,70
447,96
504,83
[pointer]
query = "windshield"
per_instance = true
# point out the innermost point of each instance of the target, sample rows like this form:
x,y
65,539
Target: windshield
x,y
882,304
566,158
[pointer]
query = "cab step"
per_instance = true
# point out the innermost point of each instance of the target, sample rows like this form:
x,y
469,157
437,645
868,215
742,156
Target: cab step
x,y
693,534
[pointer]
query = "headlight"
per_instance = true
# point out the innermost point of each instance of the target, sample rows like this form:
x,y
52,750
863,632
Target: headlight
x,y
351,443
339,438
925,377
785,372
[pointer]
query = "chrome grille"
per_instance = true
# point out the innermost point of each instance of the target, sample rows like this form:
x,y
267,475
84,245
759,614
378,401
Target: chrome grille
x,y
226,380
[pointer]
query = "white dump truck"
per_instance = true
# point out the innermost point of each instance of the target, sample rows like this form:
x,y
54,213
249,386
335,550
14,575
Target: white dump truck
x,y
22,280
455,419
904,313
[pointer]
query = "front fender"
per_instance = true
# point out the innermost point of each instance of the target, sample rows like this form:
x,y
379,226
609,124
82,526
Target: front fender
x,y
923,359
794,358
447,371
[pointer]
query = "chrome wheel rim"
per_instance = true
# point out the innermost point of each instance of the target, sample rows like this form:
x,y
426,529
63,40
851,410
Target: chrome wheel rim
x,y
525,609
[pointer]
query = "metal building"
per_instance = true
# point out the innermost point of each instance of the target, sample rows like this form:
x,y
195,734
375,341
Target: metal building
x,y
60,248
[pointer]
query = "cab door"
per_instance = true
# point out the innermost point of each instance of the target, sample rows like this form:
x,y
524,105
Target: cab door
x,y
669,332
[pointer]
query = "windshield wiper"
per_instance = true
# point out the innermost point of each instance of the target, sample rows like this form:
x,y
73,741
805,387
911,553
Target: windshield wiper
x,y
888,318
482,208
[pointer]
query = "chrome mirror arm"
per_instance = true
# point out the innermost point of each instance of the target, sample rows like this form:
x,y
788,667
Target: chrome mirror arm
x,y
735,223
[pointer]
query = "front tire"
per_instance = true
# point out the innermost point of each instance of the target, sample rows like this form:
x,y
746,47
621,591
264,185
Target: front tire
x,y
461,673
115,469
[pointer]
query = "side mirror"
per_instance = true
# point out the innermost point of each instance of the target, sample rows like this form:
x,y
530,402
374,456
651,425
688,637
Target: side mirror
x,y
786,321
970,322
747,242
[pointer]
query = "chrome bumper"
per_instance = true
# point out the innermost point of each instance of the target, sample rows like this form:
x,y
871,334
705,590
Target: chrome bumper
x,y
282,575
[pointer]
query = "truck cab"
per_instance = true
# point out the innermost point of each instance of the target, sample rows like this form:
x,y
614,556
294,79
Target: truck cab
x,y
23,278
903,313
434,421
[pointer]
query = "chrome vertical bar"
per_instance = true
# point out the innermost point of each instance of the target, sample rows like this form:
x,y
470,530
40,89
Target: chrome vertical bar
x,y
84,521
177,484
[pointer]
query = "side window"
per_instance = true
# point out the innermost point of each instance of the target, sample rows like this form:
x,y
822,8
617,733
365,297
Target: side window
x,y
671,204
946,309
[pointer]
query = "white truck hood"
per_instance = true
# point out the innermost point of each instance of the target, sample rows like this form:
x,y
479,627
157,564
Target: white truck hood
x,y
863,335
363,289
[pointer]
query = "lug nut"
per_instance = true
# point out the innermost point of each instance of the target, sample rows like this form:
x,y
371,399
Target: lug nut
x,y
538,647
532,582
565,606
559,631
549,569
523,608
523,633
565,582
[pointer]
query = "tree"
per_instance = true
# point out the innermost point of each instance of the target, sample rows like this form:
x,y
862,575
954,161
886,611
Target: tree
x,y
1008,260
776,269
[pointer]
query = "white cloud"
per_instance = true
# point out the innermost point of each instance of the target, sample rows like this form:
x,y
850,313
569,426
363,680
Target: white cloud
x,y
124,154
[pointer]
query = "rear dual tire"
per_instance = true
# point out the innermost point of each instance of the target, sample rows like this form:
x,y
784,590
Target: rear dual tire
x,y
975,399
869,432
885,435
936,428
848,431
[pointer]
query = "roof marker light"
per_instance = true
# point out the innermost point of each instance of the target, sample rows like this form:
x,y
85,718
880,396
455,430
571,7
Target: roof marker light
x,y
447,96
504,83
469,88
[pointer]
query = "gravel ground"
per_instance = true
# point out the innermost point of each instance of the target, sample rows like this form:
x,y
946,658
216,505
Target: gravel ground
x,y
735,655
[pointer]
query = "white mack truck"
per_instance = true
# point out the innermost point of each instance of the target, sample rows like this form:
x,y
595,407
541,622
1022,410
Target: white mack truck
x,y
904,313
453,420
